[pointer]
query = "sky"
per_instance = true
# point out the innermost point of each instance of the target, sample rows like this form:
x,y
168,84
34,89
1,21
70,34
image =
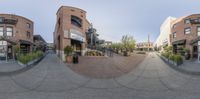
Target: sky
x,y
111,18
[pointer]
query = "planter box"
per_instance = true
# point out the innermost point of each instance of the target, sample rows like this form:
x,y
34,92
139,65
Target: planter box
x,y
178,63
171,62
29,63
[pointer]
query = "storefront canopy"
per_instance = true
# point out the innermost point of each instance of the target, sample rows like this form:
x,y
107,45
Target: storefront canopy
x,y
8,40
179,42
195,40
26,42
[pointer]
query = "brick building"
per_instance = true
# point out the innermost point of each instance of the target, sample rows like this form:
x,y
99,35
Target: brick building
x,y
185,33
70,30
15,30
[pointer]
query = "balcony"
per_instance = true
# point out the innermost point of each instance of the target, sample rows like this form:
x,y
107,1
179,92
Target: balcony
x,y
9,21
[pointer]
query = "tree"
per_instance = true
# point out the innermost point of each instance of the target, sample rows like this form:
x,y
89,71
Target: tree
x,y
128,43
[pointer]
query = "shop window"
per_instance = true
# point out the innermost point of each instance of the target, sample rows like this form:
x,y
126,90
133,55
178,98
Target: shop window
x,y
9,31
1,31
174,35
187,30
76,21
187,21
198,30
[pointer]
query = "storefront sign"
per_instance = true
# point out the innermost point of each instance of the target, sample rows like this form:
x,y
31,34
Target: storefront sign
x,y
76,35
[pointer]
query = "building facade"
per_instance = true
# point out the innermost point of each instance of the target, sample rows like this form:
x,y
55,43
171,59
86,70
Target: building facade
x,y
70,30
145,46
185,33
15,30
40,43
164,36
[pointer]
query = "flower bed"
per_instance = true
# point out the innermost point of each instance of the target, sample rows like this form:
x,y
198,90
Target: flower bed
x,y
94,53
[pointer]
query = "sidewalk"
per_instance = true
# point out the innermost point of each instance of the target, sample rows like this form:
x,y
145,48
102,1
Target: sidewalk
x,y
9,66
191,66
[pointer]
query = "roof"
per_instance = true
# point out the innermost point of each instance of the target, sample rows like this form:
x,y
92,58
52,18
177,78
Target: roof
x,y
69,8
39,37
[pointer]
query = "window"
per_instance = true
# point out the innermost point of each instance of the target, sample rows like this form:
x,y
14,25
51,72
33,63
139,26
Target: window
x,y
187,21
28,25
1,19
187,31
198,30
28,34
174,26
76,21
1,31
9,31
174,35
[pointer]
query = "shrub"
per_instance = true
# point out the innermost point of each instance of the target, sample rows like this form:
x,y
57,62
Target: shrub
x,y
25,58
178,58
68,50
171,57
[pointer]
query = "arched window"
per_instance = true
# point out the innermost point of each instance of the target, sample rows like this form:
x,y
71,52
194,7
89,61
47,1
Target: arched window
x,y
76,21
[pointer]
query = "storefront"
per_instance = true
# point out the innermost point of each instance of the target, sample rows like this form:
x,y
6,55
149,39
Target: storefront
x,y
77,41
6,50
196,48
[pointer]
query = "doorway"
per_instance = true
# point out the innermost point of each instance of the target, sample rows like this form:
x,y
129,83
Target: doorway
x,y
76,45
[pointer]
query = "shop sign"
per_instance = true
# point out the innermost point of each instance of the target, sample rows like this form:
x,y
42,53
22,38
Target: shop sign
x,y
199,43
77,37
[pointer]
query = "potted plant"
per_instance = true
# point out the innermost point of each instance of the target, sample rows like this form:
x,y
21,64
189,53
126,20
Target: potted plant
x,y
68,50
187,53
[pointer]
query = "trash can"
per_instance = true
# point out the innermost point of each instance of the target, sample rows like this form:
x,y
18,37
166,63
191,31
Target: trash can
x,y
75,59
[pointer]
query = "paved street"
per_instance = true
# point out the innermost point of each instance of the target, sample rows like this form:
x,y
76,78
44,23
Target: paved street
x,y
107,67
52,79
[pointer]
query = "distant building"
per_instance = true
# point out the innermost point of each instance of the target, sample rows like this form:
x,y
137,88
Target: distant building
x,y
164,36
39,42
15,30
145,46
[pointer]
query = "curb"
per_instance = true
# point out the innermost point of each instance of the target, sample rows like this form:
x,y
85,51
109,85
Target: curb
x,y
28,67
179,69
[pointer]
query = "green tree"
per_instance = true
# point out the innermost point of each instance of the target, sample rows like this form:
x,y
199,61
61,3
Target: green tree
x,y
128,43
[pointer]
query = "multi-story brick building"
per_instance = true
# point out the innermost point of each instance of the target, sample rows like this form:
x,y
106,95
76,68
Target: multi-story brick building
x,y
15,30
70,30
185,33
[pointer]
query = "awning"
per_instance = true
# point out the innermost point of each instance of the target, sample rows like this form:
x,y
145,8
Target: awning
x,y
8,40
195,40
26,42
179,42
